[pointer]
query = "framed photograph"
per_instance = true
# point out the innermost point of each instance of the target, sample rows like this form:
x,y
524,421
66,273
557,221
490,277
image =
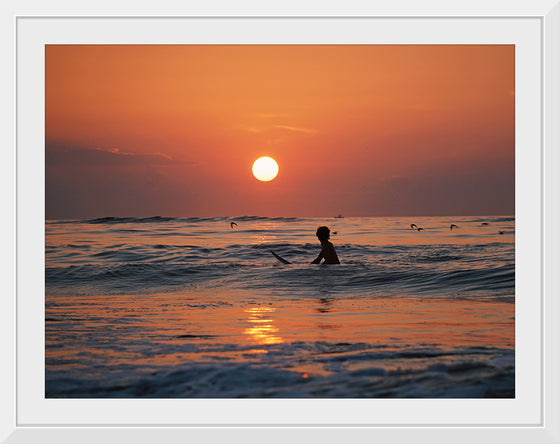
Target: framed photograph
x,y
279,223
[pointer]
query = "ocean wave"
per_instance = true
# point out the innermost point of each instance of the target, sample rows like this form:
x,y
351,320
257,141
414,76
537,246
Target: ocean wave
x,y
490,219
160,219
349,372
160,254
305,280
117,220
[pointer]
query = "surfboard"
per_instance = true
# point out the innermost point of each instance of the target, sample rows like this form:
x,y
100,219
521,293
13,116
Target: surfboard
x,y
281,259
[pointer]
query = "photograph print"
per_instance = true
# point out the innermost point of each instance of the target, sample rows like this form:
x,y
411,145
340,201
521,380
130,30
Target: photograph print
x,y
280,221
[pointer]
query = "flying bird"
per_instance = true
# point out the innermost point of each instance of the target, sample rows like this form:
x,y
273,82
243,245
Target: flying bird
x,y
453,225
413,226
232,224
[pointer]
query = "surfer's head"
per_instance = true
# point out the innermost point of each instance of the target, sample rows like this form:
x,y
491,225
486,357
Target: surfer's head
x,y
323,233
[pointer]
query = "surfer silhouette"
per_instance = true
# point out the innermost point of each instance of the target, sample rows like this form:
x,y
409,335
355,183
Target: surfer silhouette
x,y
327,248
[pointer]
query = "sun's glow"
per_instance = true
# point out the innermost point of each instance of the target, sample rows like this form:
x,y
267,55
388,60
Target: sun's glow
x,y
265,168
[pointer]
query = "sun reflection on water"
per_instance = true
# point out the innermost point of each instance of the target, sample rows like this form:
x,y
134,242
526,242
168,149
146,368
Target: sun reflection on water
x,y
261,330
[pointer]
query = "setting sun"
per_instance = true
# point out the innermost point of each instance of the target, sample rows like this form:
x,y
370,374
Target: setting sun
x,y
265,168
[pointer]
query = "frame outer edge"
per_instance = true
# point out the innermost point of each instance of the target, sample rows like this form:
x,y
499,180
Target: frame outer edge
x,y
551,182
285,8
8,430
8,222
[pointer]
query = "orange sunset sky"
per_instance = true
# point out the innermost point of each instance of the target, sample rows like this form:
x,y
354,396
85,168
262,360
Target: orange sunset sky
x,y
362,130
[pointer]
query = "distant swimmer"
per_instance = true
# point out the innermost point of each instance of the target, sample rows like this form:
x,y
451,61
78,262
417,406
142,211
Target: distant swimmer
x,y
327,249
340,216
484,223
420,228
453,226
501,232
335,232
414,226
232,224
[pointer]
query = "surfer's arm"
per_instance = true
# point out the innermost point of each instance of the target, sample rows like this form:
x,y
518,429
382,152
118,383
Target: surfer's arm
x,y
318,260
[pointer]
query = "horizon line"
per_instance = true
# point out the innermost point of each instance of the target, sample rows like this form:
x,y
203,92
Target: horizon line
x,y
270,216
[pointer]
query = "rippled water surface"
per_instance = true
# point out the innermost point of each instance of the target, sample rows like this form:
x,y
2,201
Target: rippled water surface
x,y
197,307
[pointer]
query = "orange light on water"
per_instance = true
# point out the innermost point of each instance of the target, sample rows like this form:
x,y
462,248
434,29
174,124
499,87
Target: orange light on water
x,y
261,330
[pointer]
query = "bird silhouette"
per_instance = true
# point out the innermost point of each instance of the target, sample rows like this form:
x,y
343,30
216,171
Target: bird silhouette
x,y
453,225
232,224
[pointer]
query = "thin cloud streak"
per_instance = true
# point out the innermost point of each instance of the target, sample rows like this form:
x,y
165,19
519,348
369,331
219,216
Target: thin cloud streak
x,y
296,129
90,157
259,129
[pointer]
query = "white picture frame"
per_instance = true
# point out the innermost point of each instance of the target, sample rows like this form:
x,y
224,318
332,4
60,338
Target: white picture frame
x,y
24,417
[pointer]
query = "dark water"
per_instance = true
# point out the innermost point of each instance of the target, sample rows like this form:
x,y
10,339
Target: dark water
x,y
193,307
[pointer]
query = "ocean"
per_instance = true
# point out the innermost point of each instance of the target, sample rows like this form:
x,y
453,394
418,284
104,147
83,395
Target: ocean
x,y
166,307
